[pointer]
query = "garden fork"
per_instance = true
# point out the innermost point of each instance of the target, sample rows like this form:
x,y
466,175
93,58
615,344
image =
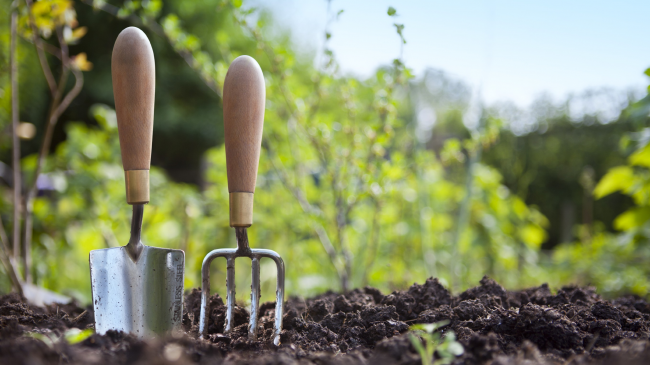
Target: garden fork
x,y
243,118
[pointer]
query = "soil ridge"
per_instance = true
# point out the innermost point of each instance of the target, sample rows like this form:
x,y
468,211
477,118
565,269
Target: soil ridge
x,y
495,326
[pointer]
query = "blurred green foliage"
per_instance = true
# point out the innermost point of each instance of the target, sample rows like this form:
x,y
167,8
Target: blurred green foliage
x,y
547,167
615,262
348,193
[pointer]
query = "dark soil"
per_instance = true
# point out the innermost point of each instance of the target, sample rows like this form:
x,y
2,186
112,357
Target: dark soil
x,y
495,326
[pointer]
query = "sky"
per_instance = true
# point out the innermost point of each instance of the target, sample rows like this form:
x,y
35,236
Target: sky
x,y
509,50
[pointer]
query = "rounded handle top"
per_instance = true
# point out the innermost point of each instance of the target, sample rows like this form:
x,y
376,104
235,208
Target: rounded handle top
x,y
244,95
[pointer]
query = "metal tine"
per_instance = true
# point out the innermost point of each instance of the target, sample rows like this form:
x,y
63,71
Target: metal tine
x,y
255,297
228,253
279,291
230,294
243,250
257,254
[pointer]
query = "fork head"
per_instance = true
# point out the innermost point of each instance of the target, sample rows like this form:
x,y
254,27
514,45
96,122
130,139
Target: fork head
x,y
243,250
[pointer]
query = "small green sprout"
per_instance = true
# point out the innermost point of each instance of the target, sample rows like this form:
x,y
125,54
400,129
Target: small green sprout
x,y
71,336
48,339
75,335
447,348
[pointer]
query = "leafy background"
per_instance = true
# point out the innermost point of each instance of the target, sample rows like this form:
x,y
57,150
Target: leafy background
x,y
351,191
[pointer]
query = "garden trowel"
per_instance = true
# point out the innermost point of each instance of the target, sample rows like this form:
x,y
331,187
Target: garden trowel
x,y
136,289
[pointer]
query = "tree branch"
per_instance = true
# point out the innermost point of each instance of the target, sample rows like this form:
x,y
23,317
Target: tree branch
x,y
39,50
45,46
76,89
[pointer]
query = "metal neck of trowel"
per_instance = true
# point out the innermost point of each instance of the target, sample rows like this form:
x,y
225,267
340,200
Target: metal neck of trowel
x,y
134,247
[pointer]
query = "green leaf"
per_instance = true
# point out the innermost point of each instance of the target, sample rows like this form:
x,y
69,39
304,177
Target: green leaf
x,y
391,11
641,157
123,13
429,327
104,115
633,218
617,179
647,72
75,335
417,343
152,8
41,337
456,348
533,235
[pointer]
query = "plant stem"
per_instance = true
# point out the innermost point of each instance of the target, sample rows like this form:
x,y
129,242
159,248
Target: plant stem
x,y
55,111
57,107
8,262
308,209
372,244
17,183
463,212
463,217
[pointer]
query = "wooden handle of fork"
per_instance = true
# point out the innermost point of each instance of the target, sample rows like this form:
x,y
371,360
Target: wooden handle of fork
x,y
134,83
244,97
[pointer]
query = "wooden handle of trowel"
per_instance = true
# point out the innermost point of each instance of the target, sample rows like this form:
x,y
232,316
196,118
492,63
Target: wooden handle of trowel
x,y
134,84
244,97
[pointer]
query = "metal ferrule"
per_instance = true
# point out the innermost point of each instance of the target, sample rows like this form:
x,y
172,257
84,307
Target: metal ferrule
x,y
241,209
242,250
137,186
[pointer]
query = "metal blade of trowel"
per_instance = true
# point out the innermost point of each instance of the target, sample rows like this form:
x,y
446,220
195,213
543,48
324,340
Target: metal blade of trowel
x,y
136,289
139,294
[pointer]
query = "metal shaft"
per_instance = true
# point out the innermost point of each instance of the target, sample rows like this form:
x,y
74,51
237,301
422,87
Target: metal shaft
x,y
243,247
135,246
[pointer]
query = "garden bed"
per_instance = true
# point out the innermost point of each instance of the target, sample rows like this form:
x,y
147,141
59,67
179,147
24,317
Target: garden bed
x,y
574,326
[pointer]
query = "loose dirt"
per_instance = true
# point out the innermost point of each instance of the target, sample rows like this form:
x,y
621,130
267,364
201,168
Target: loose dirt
x,y
495,326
